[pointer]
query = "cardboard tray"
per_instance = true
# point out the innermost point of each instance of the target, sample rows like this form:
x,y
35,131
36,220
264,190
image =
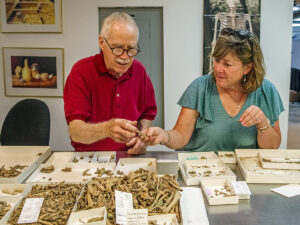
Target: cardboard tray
x,y
31,156
76,175
280,159
169,219
197,180
59,158
81,217
196,156
227,157
253,172
126,165
28,190
212,189
13,201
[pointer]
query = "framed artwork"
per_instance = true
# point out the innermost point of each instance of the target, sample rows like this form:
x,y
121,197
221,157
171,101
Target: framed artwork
x,y
236,14
33,71
34,16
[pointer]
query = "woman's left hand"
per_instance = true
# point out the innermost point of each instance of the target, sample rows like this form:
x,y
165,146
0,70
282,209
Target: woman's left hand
x,y
253,115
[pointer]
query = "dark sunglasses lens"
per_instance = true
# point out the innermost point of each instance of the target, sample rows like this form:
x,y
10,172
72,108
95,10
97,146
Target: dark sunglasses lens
x,y
227,31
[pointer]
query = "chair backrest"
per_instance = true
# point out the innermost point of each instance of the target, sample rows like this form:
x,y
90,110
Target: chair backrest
x,y
27,123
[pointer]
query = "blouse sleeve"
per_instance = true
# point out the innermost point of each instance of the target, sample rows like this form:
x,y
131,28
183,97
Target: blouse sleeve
x,y
270,102
197,96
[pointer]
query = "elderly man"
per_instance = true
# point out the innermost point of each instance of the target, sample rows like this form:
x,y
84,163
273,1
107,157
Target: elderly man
x,y
109,97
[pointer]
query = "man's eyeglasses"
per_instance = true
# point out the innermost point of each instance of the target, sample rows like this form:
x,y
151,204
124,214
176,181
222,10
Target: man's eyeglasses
x,y
119,51
241,34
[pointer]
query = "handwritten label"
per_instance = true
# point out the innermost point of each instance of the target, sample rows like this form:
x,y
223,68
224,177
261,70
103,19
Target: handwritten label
x,y
123,203
31,210
137,216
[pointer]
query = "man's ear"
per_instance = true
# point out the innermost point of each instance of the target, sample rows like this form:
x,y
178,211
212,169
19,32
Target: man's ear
x,y
100,41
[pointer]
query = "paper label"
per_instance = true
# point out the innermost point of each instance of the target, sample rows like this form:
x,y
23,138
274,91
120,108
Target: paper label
x,y
289,190
192,158
104,159
137,216
31,210
241,188
123,203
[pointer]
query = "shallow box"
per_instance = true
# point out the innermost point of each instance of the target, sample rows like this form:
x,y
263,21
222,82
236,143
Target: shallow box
x,y
59,158
167,166
227,157
82,217
28,190
219,192
193,171
126,165
93,157
253,172
13,201
280,159
196,156
79,172
30,156
169,219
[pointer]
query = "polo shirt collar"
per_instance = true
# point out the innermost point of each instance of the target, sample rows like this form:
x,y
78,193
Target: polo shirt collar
x,y
102,70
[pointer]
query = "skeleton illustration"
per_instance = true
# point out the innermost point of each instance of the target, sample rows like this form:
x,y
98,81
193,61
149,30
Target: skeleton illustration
x,y
232,19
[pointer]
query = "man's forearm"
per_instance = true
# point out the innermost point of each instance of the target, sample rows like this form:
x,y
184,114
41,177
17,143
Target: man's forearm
x,y
144,123
87,133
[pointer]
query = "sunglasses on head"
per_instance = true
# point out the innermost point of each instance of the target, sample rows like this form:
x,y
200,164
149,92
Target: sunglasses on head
x,y
241,34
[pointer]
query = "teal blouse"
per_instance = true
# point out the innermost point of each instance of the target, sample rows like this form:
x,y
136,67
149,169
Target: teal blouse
x,y
217,131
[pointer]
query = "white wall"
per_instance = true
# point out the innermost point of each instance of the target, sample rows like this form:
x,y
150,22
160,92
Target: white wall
x,y
183,37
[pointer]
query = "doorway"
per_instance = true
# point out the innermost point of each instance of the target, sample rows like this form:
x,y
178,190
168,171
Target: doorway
x,y
149,22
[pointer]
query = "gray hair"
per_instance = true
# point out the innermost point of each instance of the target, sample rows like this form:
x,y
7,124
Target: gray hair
x,y
117,17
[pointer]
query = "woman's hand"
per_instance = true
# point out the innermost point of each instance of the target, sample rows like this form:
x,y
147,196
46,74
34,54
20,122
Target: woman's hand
x,y
253,115
157,135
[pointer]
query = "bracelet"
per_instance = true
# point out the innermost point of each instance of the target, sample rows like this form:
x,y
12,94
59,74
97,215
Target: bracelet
x,y
168,139
265,127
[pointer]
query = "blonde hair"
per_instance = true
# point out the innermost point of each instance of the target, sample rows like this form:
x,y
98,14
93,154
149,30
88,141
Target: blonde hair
x,y
248,51
117,17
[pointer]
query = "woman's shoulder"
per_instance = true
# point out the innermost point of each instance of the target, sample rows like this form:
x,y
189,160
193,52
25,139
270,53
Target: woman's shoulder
x,y
202,81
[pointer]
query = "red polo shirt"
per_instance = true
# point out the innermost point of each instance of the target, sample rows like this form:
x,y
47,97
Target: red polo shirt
x,y
93,95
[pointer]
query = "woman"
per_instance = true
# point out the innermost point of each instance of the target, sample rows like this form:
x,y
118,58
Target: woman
x,y
233,107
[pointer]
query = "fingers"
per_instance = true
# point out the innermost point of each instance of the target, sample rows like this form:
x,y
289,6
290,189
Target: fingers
x,y
253,115
131,142
138,147
155,134
121,130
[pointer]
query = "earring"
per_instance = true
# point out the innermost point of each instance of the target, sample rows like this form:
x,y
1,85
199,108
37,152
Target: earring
x,y
245,78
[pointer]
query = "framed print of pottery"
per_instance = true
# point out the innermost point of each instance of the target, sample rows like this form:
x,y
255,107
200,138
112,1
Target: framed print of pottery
x,y
34,16
33,71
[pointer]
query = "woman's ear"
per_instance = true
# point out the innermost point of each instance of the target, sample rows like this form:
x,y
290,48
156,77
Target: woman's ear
x,y
248,68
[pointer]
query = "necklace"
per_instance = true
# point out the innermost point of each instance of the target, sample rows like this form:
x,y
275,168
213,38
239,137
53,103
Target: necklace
x,y
237,103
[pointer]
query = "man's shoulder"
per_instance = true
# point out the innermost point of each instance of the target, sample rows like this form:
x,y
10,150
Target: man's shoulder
x,y
85,61
137,65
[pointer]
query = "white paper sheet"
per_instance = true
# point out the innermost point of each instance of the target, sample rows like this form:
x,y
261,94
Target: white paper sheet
x,y
192,206
289,190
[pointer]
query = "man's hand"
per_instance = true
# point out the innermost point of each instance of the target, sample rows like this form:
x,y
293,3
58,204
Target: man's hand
x,y
137,145
121,130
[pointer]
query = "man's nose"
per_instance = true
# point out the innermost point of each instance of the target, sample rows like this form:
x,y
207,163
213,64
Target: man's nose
x,y
124,55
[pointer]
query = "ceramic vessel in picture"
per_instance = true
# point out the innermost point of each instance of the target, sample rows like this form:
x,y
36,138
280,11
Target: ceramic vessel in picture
x,y
26,71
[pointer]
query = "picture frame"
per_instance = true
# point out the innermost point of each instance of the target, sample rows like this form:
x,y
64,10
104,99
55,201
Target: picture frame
x,y
35,16
32,72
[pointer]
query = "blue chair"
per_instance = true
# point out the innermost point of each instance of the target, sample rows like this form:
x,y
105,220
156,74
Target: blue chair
x,y
27,124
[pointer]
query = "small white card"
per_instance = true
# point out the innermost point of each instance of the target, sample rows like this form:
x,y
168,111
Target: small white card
x,y
137,216
123,203
241,188
104,159
31,210
289,190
